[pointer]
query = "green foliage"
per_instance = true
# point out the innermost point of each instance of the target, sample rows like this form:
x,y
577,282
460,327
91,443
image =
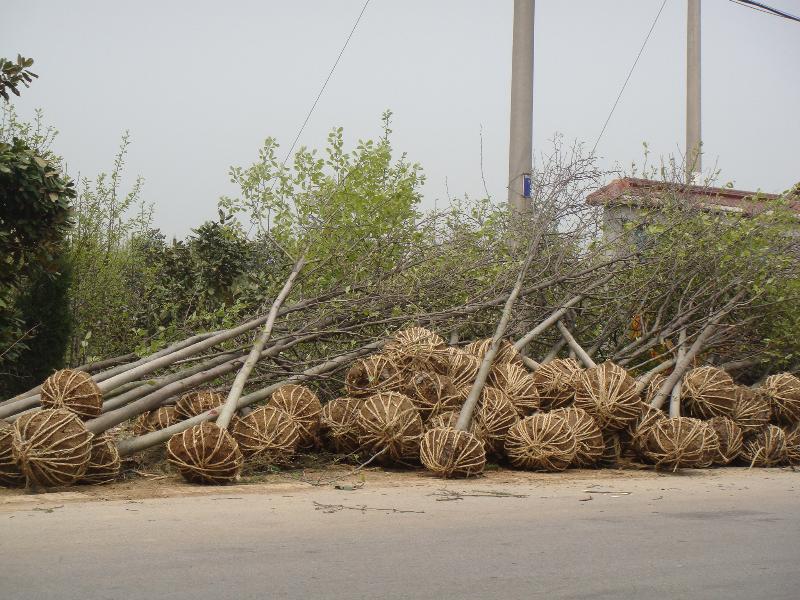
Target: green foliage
x,y
13,74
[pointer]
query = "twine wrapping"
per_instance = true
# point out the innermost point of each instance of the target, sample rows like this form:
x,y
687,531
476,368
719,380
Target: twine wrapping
x,y
730,439
338,424
267,433
793,445
680,442
389,422
555,383
432,394
518,385
153,420
541,442
304,408
372,374
708,392
10,475
588,435
104,461
51,447
639,429
609,395
507,353
752,409
652,388
415,336
494,416
75,391
196,403
462,367
764,448
444,420
612,449
783,391
205,453
448,452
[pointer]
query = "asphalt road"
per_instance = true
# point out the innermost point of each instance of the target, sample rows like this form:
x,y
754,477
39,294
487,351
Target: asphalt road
x,y
712,536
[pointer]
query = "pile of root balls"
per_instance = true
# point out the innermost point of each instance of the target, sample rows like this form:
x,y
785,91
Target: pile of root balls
x,y
402,407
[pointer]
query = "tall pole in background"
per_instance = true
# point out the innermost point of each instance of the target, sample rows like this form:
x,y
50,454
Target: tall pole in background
x,y
693,140
520,153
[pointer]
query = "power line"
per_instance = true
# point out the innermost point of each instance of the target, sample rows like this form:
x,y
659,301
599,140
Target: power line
x,y
635,62
766,9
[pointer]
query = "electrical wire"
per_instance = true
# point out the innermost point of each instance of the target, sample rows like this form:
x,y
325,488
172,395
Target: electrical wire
x,y
766,9
624,85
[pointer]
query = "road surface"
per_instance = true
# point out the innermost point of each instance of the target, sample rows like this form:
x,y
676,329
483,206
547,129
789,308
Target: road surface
x,y
726,533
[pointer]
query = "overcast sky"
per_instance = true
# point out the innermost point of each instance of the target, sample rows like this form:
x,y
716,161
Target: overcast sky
x,y
200,84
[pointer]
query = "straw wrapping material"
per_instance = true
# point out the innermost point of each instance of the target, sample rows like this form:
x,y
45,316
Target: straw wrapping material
x,y
73,390
205,453
52,447
541,442
448,452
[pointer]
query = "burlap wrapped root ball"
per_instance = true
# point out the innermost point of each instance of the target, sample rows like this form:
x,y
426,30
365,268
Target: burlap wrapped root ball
x,y
783,391
52,447
555,383
431,393
449,452
730,439
267,435
153,420
541,442
518,385
638,430
708,392
10,475
793,445
652,388
304,408
609,395
73,390
494,416
388,423
506,353
415,336
680,443
196,403
764,448
338,424
379,372
751,411
104,461
612,449
205,453
588,435
462,367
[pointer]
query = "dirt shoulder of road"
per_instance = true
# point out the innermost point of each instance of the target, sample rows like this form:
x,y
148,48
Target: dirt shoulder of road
x,y
147,486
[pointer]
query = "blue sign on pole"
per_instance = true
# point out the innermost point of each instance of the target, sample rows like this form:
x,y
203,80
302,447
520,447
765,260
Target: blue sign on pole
x,y
527,192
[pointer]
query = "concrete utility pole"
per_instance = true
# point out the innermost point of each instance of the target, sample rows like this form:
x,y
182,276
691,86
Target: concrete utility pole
x,y
520,153
693,141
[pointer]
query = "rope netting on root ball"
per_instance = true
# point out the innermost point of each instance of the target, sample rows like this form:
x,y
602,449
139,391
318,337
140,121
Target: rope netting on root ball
x,y
52,447
680,443
415,336
541,442
612,449
752,410
609,395
588,435
494,416
104,461
639,429
431,393
267,434
379,372
153,420
338,424
783,391
793,445
507,353
447,419
555,382
196,403
462,367
730,439
73,390
518,385
304,408
388,423
653,386
205,453
764,448
709,392
10,475
449,452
